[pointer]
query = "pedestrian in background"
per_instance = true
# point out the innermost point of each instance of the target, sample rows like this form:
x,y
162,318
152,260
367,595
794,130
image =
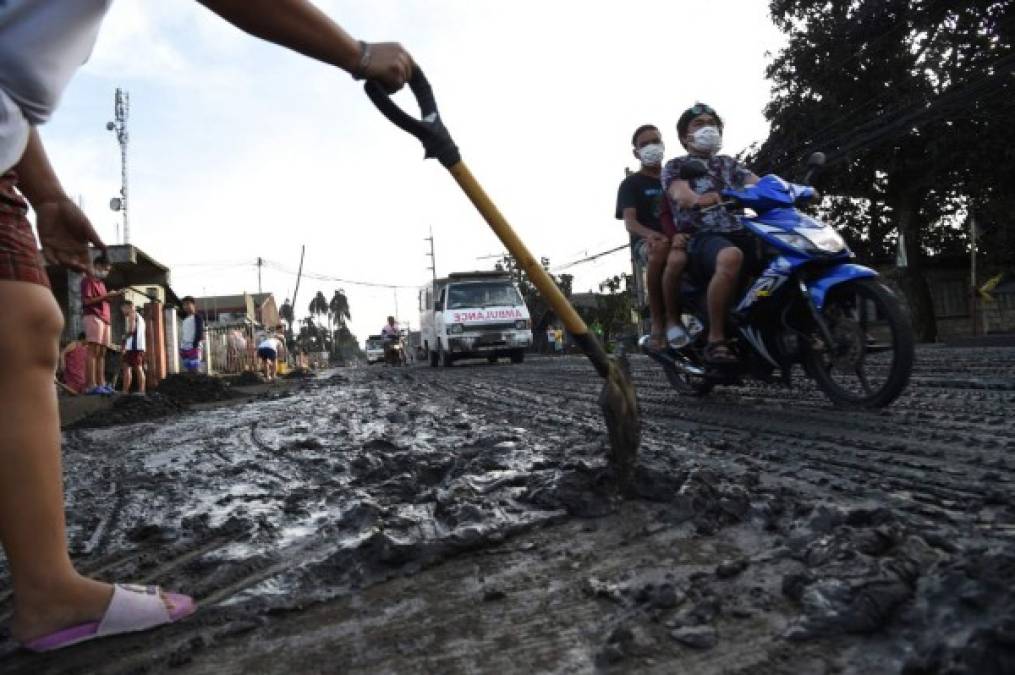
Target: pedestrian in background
x,y
73,360
191,336
97,322
132,362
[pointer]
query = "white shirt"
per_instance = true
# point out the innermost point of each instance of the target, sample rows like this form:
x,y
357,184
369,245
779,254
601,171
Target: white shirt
x,y
42,44
136,342
271,343
188,331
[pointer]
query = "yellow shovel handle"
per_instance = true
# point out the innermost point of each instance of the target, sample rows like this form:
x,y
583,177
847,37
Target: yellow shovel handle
x,y
537,275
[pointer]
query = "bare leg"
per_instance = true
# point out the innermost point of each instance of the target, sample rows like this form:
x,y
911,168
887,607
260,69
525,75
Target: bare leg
x,y
125,376
720,290
100,367
91,364
654,279
49,594
141,382
675,265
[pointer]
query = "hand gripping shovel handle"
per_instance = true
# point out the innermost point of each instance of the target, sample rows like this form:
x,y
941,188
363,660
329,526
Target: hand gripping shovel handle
x,y
437,142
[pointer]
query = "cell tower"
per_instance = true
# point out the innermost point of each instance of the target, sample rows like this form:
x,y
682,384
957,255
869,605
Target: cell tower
x,y
121,109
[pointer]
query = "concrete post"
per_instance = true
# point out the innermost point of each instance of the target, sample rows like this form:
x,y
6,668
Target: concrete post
x,y
156,347
171,328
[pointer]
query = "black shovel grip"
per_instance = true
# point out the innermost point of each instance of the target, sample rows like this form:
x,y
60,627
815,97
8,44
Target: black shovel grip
x,y
429,128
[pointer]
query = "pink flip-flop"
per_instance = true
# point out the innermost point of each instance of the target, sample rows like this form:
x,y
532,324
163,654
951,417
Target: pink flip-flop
x,y
133,608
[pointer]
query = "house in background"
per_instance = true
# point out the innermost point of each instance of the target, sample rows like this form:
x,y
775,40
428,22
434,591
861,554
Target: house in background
x,y
232,325
148,286
258,309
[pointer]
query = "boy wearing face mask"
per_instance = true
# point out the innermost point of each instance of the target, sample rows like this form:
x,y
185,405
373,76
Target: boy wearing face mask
x,y
96,322
720,244
639,205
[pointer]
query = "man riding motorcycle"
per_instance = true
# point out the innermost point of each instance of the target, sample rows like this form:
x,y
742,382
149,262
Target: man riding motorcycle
x,y
720,245
391,334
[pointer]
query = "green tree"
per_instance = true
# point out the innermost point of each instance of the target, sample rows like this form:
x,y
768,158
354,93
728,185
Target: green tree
x,y
539,310
339,308
910,99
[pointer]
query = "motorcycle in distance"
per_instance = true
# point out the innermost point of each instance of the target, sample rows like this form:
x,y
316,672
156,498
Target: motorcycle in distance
x,y
394,352
808,304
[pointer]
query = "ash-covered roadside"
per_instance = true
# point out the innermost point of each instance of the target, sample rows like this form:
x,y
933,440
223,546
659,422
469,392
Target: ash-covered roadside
x,y
417,520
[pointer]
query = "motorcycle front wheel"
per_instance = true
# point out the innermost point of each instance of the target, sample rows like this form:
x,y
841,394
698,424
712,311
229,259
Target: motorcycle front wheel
x,y
871,356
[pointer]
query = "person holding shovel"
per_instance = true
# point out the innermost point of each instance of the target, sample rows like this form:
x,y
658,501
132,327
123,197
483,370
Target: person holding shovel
x,y
42,43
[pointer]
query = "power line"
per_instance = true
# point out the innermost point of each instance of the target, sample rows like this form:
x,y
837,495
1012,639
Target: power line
x,y
271,264
590,258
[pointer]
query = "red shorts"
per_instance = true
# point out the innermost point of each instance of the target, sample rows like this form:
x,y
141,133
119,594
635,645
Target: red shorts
x,y
134,358
20,259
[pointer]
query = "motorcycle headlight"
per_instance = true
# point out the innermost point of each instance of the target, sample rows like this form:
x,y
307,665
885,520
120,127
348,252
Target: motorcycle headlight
x,y
456,329
795,240
827,239
522,324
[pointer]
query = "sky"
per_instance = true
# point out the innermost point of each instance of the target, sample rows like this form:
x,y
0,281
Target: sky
x,y
240,149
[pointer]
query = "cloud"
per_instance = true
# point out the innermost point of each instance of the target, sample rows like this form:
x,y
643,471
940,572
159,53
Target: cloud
x,y
240,150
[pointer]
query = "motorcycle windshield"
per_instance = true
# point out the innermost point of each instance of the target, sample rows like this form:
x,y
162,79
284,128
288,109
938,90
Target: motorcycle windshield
x,y
770,192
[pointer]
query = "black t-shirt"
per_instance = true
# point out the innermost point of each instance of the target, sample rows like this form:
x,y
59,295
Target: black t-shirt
x,y
645,195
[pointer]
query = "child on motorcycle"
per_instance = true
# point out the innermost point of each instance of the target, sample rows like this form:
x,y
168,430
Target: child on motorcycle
x,y
719,245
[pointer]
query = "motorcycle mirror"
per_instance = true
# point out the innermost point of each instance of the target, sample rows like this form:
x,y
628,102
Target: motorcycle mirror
x,y
694,168
816,160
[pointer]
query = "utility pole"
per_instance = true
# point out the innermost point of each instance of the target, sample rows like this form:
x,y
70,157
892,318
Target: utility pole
x,y
121,110
260,263
433,264
972,271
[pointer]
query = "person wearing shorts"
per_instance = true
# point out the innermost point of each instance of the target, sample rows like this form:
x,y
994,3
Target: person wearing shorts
x,y
132,366
639,205
96,323
720,247
268,351
191,336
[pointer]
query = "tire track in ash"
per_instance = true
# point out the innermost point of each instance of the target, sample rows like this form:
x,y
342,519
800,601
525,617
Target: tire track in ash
x,y
939,452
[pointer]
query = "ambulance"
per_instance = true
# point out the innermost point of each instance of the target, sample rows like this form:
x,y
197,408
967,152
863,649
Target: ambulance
x,y
473,315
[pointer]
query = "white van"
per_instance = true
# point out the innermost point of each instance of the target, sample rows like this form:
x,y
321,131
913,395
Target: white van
x,y
375,349
473,315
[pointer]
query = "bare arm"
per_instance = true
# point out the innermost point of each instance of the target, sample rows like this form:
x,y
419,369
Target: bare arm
x,y
302,27
636,228
681,192
64,231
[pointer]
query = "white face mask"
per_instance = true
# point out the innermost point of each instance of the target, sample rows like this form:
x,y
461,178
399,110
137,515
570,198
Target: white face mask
x,y
652,154
707,140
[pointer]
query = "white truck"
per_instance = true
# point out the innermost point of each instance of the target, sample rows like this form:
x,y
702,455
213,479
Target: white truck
x,y
473,315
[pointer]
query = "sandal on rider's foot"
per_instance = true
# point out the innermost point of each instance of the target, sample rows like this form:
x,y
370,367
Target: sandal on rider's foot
x,y
719,353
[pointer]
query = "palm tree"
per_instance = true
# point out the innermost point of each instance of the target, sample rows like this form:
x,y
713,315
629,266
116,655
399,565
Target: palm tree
x,y
319,306
339,307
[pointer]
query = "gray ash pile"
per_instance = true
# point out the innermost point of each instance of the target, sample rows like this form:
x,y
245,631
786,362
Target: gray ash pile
x,y
131,410
195,388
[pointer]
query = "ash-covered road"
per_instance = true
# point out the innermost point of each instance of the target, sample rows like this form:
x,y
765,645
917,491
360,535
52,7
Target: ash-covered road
x,y
463,520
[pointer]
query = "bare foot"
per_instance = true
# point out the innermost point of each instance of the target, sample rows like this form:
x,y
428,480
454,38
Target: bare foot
x,y
81,601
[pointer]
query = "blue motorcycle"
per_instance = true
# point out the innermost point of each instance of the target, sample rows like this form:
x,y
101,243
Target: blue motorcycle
x,y
808,304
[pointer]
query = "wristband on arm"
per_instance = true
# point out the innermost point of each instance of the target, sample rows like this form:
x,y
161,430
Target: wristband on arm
x,y
364,61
